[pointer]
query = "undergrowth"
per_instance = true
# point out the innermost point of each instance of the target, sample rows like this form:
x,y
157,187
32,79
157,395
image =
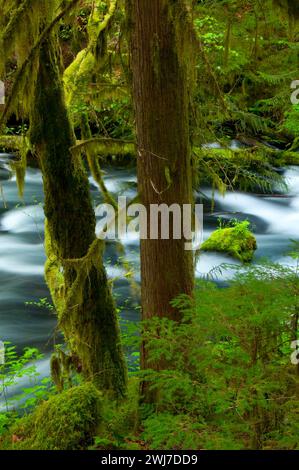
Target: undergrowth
x,y
229,381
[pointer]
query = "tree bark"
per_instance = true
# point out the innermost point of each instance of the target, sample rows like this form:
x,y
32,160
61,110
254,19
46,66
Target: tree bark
x,y
74,269
161,53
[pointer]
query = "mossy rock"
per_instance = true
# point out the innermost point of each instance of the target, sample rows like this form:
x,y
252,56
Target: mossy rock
x,y
68,421
237,241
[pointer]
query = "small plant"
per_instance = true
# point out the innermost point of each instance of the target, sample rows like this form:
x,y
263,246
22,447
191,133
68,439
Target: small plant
x,y
41,303
65,32
20,130
15,368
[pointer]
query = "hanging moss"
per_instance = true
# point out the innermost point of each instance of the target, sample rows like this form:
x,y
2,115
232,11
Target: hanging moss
x,y
78,75
20,166
54,276
20,170
93,163
67,421
237,241
77,78
23,43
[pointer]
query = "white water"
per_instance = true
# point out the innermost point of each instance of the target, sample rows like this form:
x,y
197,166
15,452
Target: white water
x,y
276,221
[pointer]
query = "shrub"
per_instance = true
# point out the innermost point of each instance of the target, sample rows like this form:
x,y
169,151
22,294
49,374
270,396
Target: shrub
x,y
229,382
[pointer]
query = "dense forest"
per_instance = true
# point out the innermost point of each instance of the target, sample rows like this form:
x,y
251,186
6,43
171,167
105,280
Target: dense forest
x,y
149,220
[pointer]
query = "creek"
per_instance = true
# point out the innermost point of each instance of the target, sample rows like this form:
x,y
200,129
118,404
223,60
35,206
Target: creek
x,y
275,220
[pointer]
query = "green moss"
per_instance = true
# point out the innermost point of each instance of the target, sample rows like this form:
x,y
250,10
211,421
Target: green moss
x,y
79,74
290,158
237,241
67,421
291,123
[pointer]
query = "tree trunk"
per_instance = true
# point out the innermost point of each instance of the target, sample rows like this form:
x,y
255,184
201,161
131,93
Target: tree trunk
x,y
74,269
161,51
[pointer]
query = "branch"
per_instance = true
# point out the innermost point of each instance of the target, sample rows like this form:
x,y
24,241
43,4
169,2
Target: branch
x,y
31,54
112,146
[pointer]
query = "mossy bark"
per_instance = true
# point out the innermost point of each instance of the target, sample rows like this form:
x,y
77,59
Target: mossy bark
x,y
161,51
89,322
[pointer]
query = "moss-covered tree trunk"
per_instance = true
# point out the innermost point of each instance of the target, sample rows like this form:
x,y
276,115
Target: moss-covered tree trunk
x,y
74,270
161,51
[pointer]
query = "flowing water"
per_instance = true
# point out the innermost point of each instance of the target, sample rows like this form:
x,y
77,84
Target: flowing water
x,y
276,221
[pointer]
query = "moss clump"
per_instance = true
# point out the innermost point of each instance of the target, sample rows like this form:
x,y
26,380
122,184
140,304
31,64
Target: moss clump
x,y
67,421
237,241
